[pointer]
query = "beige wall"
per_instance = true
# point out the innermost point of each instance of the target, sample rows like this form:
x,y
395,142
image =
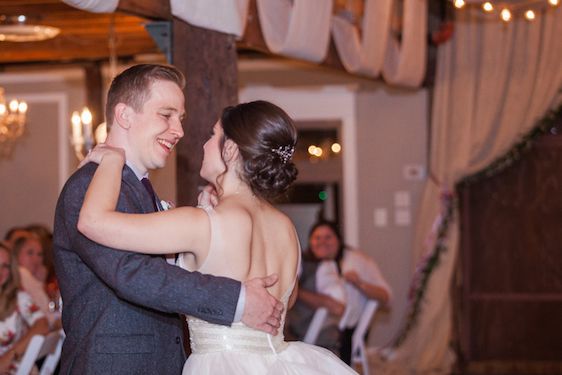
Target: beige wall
x,y
391,144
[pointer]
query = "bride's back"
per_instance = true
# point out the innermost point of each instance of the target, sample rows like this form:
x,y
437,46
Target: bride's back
x,y
248,158
251,238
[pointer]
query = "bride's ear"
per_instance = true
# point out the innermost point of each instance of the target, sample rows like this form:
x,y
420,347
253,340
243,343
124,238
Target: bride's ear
x,y
123,115
230,151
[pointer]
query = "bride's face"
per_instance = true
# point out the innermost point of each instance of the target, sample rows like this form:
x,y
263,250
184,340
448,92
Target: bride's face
x,y
213,164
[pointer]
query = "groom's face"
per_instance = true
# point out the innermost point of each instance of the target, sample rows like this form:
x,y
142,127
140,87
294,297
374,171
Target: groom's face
x,y
156,128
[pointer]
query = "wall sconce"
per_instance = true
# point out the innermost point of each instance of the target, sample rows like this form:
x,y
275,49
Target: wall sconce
x,y
83,139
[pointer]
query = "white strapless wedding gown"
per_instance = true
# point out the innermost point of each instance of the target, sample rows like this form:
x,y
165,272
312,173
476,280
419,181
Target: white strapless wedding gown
x,y
239,349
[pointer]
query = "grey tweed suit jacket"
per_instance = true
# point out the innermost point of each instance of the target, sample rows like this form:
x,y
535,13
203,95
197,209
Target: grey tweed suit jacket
x,y
121,309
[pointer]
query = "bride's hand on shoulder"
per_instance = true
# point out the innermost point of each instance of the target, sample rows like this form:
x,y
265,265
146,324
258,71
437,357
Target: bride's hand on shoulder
x,y
208,197
103,151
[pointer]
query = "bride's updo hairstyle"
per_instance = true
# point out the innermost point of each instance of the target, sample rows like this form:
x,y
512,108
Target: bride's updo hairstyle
x,y
266,138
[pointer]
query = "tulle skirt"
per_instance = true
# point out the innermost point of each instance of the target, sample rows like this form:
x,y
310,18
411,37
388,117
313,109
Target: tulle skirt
x,y
296,358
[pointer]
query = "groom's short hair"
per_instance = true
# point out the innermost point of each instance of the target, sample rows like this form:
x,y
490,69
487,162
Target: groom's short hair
x,y
132,86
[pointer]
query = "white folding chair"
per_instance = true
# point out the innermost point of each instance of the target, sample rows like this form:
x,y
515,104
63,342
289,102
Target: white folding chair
x,y
53,357
358,348
315,325
48,347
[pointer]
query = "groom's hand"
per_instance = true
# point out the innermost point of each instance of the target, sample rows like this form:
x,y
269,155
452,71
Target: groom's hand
x,y
262,311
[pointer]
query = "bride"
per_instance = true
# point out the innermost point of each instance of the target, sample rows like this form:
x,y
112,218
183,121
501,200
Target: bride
x,y
248,161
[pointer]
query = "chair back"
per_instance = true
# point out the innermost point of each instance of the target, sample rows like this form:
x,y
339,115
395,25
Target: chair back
x,y
53,356
358,347
40,346
315,325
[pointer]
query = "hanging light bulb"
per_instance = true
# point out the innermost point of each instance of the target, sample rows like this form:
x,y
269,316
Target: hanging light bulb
x,y
459,3
487,6
530,15
505,15
554,2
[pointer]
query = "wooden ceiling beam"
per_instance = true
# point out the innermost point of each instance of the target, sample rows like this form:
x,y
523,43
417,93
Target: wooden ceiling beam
x,y
151,9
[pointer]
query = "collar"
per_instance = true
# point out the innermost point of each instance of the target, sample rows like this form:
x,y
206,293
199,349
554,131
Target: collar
x,y
136,171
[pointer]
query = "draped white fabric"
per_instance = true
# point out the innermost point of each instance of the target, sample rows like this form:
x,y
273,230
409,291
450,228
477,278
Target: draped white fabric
x,y
364,53
404,63
493,83
227,16
300,28
95,6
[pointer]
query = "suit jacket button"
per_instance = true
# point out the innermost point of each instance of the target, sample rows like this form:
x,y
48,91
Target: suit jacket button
x,y
178,340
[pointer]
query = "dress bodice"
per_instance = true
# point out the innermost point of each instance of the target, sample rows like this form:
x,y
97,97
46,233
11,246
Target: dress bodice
x,y
207,337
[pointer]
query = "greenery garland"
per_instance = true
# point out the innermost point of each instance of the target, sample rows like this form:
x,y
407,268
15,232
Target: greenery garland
x,y
421,277
425,269
547,124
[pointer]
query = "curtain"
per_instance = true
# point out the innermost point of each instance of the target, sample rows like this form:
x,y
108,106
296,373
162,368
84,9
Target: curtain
x,y
494,82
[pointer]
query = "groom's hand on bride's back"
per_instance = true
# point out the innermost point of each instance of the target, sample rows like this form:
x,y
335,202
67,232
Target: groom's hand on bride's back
x,y
262,311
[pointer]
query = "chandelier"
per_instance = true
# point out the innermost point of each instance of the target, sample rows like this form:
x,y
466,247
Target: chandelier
x,y
12,123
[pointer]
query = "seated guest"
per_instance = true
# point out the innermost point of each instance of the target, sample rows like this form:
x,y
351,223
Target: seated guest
x,y
46,238
14,233
29,255
20,317
335,277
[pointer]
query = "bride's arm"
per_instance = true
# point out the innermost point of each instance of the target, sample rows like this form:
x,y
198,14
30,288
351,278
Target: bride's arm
x,y
178,230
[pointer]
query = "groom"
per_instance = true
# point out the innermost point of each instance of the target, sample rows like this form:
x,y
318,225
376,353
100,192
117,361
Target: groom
x,y
121,309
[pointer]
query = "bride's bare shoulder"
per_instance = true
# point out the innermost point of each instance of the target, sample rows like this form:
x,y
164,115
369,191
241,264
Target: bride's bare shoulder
x,y
232,212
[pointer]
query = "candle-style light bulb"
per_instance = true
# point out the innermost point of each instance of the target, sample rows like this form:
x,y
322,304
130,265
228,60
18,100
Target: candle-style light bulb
x,y
22,108
13,105
86,116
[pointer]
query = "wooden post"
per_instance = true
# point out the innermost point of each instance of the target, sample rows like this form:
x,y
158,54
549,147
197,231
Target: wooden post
x,y
209,61
94,83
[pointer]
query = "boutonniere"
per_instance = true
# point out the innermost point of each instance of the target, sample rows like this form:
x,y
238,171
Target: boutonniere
x,y
166,205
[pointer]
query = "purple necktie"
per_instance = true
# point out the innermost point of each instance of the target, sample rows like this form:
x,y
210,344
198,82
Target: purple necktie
x,y
148,186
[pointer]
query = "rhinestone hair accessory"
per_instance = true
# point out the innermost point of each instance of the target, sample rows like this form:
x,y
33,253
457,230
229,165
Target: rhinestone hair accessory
x,y
284,152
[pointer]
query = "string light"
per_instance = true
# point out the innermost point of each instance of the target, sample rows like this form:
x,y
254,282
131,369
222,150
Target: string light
x,y
459,3
505,15
507,11
530,15
487,6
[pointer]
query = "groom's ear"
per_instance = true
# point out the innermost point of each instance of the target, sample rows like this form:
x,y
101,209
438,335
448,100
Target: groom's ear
x,y
123,115
230,151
